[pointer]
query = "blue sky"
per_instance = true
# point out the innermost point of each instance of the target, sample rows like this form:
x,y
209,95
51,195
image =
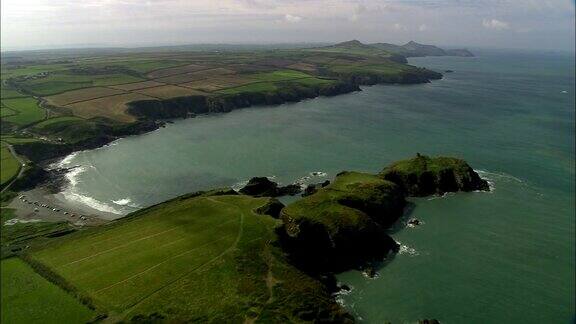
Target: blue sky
x,y
543,24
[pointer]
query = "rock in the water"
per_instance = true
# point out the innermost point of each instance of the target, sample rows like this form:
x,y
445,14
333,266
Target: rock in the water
x,y
423,176
342,225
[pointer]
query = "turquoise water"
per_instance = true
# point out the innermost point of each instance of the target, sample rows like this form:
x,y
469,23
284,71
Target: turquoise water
x,y
501,257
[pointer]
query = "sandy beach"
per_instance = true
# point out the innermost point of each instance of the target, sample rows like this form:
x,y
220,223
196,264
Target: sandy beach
x,y
40,205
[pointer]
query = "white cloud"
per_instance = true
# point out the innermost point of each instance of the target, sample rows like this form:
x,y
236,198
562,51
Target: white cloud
x,y
495,24
398,26
292,19
423,27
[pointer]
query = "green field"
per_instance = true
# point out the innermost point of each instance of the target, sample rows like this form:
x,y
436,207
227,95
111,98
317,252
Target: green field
x,y
29,298
9,93
56,122
252,87
31,70
148,66
62,82
9,165
206,259
26,111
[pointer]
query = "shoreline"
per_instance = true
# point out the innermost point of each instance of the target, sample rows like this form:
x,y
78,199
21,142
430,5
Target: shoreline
x,y
56,181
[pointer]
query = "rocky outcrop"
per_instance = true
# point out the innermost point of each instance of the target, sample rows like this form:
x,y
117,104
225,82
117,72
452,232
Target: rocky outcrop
x,y
263,187
313,188
343,225
271,208
423,176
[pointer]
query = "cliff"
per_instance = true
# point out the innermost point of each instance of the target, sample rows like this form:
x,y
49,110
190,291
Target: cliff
x,y
342,225
182,107
423,176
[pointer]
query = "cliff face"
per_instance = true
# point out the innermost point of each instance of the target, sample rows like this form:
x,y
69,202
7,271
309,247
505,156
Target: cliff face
x,y
185,106
423,176
342,225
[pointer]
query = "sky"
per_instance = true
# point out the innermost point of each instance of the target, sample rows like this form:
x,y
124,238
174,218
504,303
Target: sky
x,y
541,24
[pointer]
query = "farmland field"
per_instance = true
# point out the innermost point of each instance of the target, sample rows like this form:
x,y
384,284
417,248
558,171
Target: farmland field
x,y
176,70
169,91
62,82
10,93
26,111
113,107
70,97
137,85
205,258
29,298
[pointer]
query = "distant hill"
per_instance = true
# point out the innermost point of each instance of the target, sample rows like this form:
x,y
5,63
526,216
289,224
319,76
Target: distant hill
x,y
397,53
413,49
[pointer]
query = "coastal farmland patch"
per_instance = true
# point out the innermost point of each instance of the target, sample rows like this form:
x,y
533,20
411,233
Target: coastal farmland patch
x,y
175,70
137,85
70,97
26,111
169,91
205,258
61,82
218,82
148,66
179,78
26,297
113,107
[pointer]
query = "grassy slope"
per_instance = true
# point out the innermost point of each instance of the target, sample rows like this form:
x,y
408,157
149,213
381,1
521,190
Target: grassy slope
x,y
205,258
9,165
323,206
29,298
26,111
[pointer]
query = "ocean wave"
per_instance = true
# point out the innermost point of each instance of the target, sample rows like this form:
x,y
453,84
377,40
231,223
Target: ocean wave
x,y
15,221
90,202
407,250
125,202
73,174
64,163
302,181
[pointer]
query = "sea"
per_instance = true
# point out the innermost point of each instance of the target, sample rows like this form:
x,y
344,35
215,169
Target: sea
x,y
504,256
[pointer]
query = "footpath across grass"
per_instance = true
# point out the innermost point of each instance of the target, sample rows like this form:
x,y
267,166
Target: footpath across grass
x,y
199,259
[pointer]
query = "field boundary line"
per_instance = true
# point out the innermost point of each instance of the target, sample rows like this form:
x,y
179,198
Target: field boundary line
x,y
179,73
233,246
159,264
117,247
73,102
